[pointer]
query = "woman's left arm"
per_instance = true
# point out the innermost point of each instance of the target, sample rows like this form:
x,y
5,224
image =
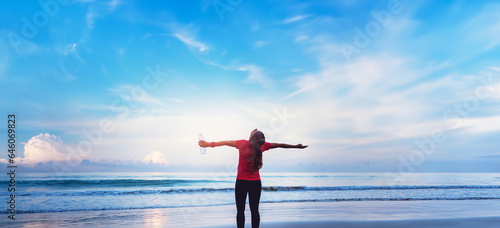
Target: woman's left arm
x,y
284,145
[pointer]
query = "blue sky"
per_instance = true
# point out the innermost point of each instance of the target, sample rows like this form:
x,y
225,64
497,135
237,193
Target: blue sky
x,y
370,85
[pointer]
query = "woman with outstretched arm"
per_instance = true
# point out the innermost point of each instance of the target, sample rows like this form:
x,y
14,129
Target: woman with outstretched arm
x,y
248,178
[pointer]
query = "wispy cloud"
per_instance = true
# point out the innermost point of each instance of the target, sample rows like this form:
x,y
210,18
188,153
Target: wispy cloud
x,y
135,93
69,49
256,75
261,43
361,104
295,19
191,42
395,90
99,9
480,125
174,99
68,75
482,28
114,3
90,19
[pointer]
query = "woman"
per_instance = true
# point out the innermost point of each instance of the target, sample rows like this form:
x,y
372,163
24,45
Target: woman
x,y
248,178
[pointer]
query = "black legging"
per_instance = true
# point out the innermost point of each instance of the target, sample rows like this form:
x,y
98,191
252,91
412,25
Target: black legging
x,y
253,188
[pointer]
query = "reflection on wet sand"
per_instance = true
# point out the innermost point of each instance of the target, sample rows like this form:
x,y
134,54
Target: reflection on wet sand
x,y
156,218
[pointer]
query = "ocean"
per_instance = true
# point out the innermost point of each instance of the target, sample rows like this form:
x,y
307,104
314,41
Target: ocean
x,y
48,192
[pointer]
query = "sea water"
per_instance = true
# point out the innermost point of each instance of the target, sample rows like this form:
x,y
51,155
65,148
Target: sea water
x,y
49,192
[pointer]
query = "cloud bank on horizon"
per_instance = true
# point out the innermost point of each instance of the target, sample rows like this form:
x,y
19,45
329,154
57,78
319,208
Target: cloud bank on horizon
x,y
370,86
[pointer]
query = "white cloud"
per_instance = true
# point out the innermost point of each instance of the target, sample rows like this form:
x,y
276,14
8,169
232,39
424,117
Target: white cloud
x,y
295,19
191,42
176,100
90,19
301,38
96,10
137,94
155,157
67,75
212,63
256,75
69,49
376,98
480,125
113,4
494,68
175,133
43,148
260,43
483,29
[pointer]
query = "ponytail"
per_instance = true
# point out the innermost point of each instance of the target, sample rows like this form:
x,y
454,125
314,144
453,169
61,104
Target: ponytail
x,y
257,161
257,140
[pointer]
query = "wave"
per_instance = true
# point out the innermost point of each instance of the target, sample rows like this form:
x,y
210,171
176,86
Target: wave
x,y
153,183
265,189
122,192
107,183
278,201
364,188
384,199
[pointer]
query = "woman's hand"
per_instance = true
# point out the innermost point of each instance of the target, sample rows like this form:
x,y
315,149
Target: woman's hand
x,y
204,143
300,146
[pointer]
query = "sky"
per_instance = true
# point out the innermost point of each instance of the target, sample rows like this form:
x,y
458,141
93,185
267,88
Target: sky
x,y
371,86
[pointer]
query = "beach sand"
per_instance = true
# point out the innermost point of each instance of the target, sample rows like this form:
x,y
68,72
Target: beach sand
x,y
408,214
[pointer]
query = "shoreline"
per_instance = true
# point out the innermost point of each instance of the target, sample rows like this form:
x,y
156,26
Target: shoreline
x,y
486,222
483,213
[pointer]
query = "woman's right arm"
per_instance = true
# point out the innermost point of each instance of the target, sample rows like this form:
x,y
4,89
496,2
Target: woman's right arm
x,y
231,143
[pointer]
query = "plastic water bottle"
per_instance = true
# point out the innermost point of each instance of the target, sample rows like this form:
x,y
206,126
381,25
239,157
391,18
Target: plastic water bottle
x,y
203,150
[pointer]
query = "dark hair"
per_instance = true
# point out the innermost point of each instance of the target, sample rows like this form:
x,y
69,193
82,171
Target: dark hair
x,y
257,140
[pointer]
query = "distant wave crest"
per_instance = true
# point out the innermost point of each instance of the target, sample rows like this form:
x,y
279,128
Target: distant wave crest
x,y
281,201
265,189
106,183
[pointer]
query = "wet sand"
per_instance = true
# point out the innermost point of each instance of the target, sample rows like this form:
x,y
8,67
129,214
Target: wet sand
x,y
408,214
